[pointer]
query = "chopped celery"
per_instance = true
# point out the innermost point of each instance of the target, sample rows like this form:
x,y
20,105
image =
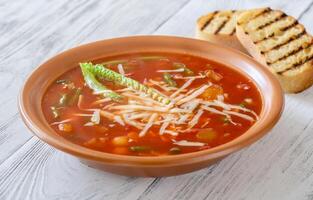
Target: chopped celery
x,y
139,148
187,71
74,96
168,80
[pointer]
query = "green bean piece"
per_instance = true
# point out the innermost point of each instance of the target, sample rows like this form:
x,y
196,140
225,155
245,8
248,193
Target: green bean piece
x,y
225,120
109,75
139,148
169,80
175,150
64,99
74,96
96,86
55,112
187,71
243,104
152,58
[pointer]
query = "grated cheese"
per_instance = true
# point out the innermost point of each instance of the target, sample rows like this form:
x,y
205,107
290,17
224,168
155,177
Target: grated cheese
x,y
171,70
121,69
61,122
148,125
193,95
195,119
186,84
189,144
167,120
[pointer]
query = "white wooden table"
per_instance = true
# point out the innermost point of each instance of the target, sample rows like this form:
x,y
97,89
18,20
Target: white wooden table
x,y
280,166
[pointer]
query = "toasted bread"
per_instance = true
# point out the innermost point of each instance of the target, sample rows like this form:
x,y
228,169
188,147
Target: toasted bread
x,y
280,43
219,27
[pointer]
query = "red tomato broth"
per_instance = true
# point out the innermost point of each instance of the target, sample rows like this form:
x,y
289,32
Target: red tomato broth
x,y
99,137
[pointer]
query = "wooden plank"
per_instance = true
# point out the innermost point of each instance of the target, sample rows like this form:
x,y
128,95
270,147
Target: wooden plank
x,y
45,173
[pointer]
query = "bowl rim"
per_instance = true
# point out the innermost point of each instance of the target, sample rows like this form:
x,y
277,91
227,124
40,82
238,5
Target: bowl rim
x,y
212,153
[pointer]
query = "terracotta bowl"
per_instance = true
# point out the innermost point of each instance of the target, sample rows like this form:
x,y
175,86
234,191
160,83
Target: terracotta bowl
x,y
32,92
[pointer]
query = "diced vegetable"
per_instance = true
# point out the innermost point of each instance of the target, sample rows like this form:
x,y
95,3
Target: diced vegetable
x,y
212,75
207,134
96,86
65,127
168,80
73,98
68,99
212,92
120,141
119,79
55,112
140,148
187,71
120,150
226,120
243,104
175,150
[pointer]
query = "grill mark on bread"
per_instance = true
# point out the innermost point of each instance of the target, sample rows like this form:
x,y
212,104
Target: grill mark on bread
x,y
265,10
296,59
271,22
296,65
262,21
230,26
287,36
289,40
301,46
282,30
208,21
221,26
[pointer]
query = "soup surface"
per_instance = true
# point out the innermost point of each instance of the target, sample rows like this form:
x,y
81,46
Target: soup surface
x,y
151,104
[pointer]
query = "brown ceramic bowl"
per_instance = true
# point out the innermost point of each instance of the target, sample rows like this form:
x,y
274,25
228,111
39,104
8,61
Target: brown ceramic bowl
x,y
37,83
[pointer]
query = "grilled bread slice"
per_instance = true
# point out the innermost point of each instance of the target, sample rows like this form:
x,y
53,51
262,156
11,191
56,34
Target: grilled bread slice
x,y
279,42
219,27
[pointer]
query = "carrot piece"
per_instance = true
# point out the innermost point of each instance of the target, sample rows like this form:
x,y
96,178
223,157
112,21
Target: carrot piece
x,y
212,92
65,127
120,150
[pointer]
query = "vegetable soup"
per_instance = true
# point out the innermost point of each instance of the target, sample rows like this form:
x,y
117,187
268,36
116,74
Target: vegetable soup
x,y
151,104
